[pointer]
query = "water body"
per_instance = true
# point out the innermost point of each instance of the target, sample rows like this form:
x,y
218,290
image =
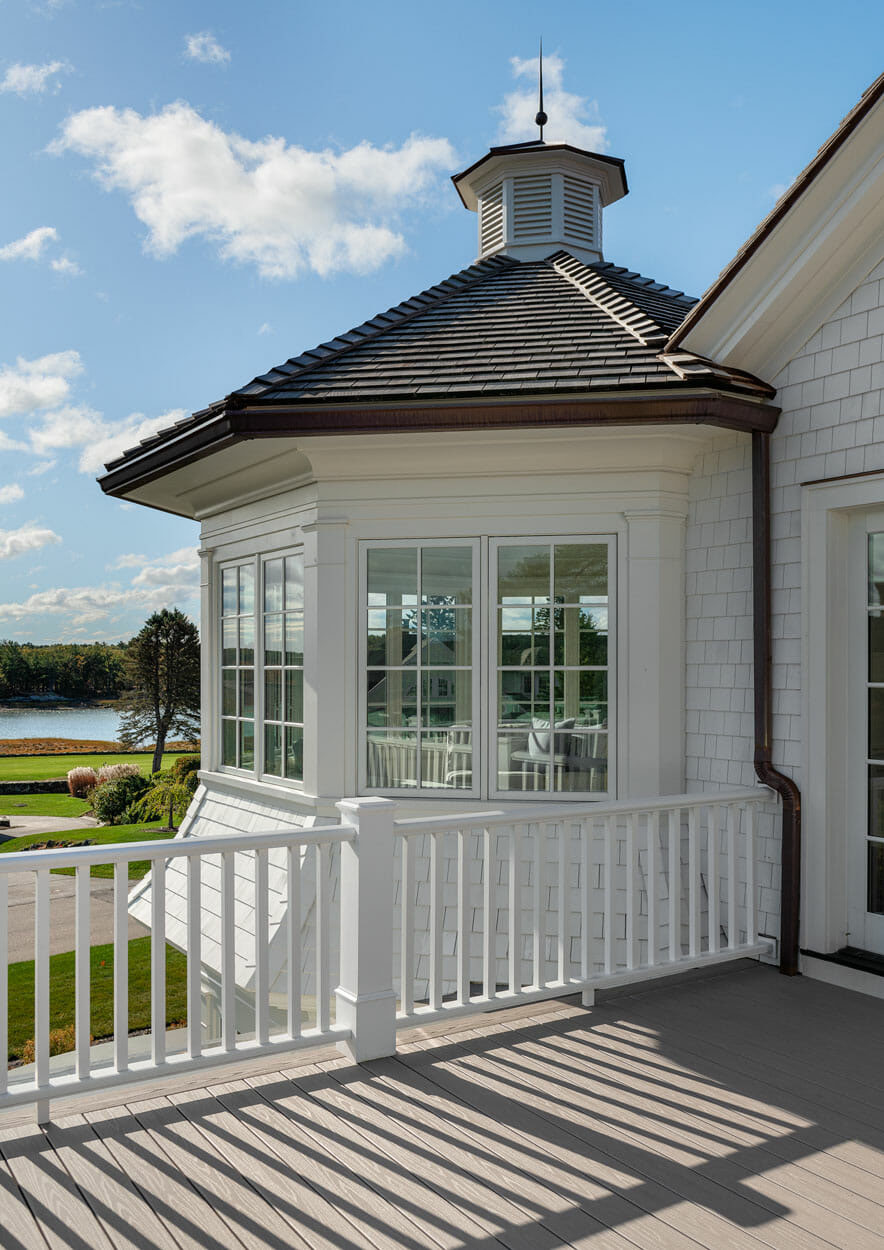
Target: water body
x,y
98,723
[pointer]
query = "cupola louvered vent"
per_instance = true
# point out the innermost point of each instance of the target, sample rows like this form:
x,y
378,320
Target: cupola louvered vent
x,y
532,206
491,219
579,211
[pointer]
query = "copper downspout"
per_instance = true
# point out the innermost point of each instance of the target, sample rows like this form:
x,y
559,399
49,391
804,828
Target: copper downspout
x,y
790,895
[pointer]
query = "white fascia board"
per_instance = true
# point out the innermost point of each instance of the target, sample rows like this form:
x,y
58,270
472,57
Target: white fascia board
x,y
830,239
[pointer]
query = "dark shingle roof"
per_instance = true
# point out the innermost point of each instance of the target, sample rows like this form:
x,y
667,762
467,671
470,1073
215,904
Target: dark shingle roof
x,y
500,328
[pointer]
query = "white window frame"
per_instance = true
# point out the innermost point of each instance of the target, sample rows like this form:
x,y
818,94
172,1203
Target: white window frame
x,y
235,562
273,778
484,669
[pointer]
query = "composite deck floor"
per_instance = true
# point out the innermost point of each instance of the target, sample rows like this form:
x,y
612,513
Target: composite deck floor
x,y
736,1110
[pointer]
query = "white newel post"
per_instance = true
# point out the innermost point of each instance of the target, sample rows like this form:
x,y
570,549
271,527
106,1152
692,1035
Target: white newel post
x,y
366,1001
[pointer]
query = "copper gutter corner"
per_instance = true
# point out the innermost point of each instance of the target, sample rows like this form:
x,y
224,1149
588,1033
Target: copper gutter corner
x,y
790,896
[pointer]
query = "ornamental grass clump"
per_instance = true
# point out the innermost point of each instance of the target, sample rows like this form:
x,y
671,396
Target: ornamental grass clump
x,y
114,772
81,782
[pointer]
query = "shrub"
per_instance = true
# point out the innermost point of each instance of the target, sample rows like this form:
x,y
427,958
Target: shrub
x,y
60,1042
113,772
112,800
81,781
185,766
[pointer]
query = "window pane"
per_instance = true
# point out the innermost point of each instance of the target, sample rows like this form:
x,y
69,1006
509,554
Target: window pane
x,y
228,692
294,582
294,695
583,765
392,697
876,568
447,636
246,589
876,646
294,638
392,637
228,742
392,760
273,640
522,696
446,575
273,586
246,692
447,758
392,576
876,724
273,750
273,694
246,743
228,641
523,574
446,697
580,571
876,800
876,877
581,696
247,640
228,592
516,769
294,753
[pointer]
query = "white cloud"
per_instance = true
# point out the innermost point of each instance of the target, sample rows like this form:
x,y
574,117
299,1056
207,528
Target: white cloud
x,y
65,265
265,328
779,189
162,584
31,246
572,118
206,48
45,466
30,385
11,493
101,440
33,79
266,203
26,538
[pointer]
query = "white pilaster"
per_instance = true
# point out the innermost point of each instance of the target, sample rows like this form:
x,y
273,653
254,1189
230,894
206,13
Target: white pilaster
x,y
329,664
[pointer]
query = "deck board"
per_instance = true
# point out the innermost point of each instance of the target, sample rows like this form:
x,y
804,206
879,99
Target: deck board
x,y
735,1108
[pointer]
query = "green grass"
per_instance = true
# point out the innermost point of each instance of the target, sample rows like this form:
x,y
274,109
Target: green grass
x,y
62,987
42,805
44,767
106,835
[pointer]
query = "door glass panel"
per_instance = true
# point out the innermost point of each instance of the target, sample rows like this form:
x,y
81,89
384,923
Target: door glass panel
x,y
876,645
876,878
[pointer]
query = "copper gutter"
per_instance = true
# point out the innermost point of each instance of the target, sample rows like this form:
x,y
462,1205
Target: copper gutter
x,y
790,889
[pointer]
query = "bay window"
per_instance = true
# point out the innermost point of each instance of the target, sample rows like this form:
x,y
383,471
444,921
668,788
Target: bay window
x,y
238,666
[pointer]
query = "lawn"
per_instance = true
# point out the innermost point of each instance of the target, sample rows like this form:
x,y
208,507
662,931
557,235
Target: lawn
x,y
44,767
103,835
62,987
42,805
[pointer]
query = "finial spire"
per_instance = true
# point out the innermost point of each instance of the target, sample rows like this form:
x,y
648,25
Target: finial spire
x,y
541,119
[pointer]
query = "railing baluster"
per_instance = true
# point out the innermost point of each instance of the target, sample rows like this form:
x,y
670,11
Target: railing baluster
x,y
515,901
653,829
82,999
733,820
4,979
322,958
435,921
712,886
293,959
489,972
406,991
630,891
562,890
121,967
194,957
262,937
751,928
539,913
610,844
228,950
586,962
463,919
673,827
41,988
693,883
158,962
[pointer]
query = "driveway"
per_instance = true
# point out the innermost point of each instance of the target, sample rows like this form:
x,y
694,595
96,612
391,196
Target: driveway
x,y
61,898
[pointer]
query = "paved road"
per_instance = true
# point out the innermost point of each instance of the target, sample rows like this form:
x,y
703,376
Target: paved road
x,y
61,899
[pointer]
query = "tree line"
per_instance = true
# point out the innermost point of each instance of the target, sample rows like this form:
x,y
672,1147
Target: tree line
x,y
74,670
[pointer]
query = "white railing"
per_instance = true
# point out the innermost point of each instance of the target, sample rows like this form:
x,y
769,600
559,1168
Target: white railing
x,y
495,909
334,924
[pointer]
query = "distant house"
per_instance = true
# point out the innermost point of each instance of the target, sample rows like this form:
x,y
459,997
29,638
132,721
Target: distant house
x,y
507,542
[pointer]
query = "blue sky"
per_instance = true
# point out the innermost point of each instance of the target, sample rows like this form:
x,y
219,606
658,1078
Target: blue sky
x,y
194,192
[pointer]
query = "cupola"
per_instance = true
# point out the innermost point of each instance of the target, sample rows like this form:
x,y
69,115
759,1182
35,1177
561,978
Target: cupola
x,y
535,198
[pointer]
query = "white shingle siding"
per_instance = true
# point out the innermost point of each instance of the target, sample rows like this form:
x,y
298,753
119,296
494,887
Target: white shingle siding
x,y
832,397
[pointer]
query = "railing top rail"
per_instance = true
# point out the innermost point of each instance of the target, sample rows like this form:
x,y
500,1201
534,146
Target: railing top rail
x,y
578,811
169,848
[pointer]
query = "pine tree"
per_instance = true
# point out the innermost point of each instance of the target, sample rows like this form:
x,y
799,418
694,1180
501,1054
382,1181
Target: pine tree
x,y
163,671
